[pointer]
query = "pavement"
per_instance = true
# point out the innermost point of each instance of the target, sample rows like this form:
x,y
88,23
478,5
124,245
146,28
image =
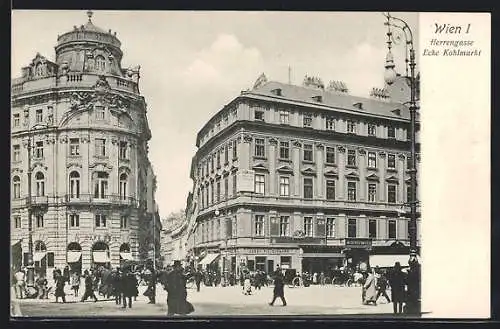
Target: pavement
x,y
215,301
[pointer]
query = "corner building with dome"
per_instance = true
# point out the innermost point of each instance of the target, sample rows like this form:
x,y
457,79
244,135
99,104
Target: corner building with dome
x,y
92,185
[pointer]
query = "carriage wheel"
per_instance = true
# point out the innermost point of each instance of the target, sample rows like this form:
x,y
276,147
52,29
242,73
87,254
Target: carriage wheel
x,y
335,282
297,282
348,283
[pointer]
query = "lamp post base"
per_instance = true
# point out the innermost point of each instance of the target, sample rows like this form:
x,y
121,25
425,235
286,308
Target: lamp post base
x,y
30,276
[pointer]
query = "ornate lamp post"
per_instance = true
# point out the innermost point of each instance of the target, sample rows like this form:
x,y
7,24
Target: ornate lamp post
x,y
413,304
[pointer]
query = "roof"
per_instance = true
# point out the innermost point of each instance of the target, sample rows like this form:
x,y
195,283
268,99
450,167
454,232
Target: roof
x,y
332,99
89,26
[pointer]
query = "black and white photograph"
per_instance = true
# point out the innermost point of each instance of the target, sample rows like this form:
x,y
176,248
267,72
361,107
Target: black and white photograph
x,y
185,164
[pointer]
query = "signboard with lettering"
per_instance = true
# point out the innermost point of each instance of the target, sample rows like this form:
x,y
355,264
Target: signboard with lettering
x,y
246,180
358,243
265,251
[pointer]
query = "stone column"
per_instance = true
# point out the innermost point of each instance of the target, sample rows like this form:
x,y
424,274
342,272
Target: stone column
x,y
362,174
244,152
319,188
85,180
341,226
382,228
400,166
113,154
296,222
340,190
382,185
362,226
272,159
401,228
296,147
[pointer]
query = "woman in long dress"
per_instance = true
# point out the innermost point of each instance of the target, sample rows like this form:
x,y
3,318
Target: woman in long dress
x,y
60,283
370,289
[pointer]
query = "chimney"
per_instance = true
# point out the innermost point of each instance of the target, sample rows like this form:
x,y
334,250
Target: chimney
x,y
380,93
358,105
338,86
318,98
314,82
276,91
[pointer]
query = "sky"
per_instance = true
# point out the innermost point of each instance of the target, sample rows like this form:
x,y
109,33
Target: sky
x,y
193,63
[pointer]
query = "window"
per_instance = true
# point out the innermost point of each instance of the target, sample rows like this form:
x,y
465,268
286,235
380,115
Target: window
x,y
100,147
123,150
408,194
391,132
284,117
39,69
284,186
74,220
218,158
391,161
40,184
351,127
351,158
372,130
308,152
372,192
351,228
392,229
74,184
372,228
330,124
226,187
330,227
16,187
39,220
391,193
259,147
123,221
234,184
307,120
409,163
74,146
330,189
259,184
351,191
212,163
284,150
226,154
101,185
17,221
218,190
372,160
50,259
259,115
39,150
39,116
308,188
100,220
99,112
235,149
308,226
16,153
212,200
284,225
17,120
259,225
100,63
123,186
330,155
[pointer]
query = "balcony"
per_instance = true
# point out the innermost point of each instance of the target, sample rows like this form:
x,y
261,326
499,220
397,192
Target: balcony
x,y
110,199
38,200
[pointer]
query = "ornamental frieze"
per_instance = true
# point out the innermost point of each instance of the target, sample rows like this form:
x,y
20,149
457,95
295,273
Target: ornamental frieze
x,y
401,156
247,138
361,151
320,146
341,149
273,141
382,155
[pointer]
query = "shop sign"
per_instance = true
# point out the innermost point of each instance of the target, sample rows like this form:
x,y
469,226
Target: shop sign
x,y
358,243
95,237
263,251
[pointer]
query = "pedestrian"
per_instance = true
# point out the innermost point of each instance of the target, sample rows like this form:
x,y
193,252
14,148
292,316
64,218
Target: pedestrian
x,y
322,278
117,291
177,293
413,282
397,282
129,287
20,284
75,283
41,283
315,278
197,279
89,287
382,287
151,290
279,286
370,289
60,283
247,287
66,274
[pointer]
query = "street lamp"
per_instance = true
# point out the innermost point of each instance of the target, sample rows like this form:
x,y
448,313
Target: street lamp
x,y
30,275
413,304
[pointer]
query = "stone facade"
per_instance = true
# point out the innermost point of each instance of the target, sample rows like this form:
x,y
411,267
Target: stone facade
x,y
301,176
86,123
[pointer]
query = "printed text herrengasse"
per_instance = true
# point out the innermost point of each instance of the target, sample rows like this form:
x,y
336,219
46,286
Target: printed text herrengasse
x,y
448,47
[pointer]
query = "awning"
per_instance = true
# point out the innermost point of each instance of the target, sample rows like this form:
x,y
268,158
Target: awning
x,y
389,260
100,256
37,256
14,242
323,255
209,258
126,255
74,256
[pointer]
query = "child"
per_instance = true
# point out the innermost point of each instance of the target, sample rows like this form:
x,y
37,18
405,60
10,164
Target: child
x,y
247,287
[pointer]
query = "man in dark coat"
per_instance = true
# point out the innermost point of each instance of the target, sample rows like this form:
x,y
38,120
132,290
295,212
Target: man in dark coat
x,y
177,293
129,287
66,274
117,286
89,287
397,282
413,281
279,285
198,276
151,290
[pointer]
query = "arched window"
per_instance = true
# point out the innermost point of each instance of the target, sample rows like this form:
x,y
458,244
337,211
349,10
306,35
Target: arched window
x,y
123,186
101,185
40,247
100,63
16,187
39,70
40,184
74,184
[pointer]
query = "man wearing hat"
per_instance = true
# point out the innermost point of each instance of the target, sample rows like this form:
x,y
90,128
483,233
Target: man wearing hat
x,y
177,293
279,286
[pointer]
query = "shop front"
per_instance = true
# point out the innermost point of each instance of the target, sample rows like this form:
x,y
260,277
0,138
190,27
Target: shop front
x,y
267,259
357,253
321,259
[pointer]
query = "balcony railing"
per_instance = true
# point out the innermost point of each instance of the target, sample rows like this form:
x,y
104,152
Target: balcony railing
x,y
111,199
38,200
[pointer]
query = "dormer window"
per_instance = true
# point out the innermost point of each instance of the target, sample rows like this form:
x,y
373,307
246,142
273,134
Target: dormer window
x,y
307,120
391,132
276,91
39,70
318,98
351,127
358,105
397,112
100,63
